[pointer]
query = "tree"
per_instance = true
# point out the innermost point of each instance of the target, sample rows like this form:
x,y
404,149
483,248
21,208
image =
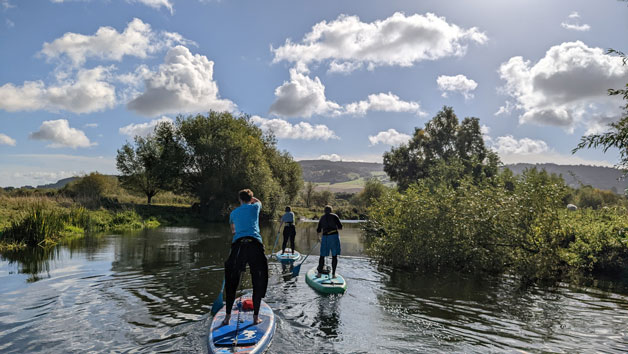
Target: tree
x,y
308,193
226,153
617,136
154,164
444,149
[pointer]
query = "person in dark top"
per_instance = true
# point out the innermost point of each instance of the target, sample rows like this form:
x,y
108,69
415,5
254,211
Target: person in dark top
x,y
246,247
289,232
329,224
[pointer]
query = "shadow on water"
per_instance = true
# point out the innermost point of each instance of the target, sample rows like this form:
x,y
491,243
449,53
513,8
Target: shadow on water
x,y
151,291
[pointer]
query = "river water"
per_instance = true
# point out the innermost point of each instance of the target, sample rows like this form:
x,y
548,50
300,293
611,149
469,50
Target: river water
x,y
151,291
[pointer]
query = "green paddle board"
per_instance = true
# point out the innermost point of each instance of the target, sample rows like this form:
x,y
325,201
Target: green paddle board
x,y
325,283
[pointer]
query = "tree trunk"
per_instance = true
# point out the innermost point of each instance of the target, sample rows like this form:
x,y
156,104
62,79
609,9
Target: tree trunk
x,y
149,196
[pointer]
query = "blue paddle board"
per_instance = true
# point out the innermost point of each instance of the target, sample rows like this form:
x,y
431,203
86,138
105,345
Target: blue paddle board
x,y
247,337
287,257
325,283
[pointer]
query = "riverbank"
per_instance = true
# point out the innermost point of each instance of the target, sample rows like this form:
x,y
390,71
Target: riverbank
x,y
31,221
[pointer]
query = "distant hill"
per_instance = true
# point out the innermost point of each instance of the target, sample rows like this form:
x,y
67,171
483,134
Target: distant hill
x,y
350,176
59,184
576,175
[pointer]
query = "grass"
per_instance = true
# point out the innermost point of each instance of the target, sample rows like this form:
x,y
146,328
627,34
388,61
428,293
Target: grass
x,y
31,221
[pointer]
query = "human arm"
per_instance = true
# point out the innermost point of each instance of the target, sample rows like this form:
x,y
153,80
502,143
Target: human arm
x,y
319,228
255,201
338,223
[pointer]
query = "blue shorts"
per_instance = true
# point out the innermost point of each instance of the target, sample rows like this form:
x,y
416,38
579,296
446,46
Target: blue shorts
x,y
330,243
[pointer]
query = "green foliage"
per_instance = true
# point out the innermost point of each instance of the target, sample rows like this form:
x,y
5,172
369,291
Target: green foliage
x,y
225,154
90,188
307,193
154,164
589,197
445,148
517,224
373,190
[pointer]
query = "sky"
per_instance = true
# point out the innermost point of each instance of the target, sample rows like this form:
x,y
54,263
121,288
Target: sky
x,y
339,80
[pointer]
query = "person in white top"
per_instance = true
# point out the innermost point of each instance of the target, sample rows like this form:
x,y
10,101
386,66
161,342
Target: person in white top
x,y
289,232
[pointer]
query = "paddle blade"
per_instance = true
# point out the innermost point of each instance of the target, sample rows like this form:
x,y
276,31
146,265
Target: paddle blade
x,y
218,302
296,270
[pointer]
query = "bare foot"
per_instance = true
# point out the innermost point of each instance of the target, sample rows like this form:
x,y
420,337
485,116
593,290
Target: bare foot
x,y
226,320
256,320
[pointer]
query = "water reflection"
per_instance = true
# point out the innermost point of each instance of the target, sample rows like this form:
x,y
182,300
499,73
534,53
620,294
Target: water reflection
x,y
151,291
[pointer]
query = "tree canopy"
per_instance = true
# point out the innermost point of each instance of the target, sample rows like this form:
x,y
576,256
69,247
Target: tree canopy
x,y
445,148
213,156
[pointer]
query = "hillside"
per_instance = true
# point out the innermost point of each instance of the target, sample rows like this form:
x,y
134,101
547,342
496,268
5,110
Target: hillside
x,y
59,184
576,175
346,176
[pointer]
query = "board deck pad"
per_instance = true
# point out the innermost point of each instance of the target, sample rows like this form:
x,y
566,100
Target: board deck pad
x,y
250,339
325,283
287,257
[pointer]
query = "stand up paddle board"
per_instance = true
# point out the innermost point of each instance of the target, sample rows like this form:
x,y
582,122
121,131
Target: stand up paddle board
x,y
288,257
249,338
325,283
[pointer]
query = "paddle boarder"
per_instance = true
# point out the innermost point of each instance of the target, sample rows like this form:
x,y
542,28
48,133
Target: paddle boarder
x,y
289,232
329,224
246,248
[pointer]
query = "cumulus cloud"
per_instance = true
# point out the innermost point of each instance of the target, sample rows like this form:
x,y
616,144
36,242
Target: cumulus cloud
x,y
183,84
508,145
565,88
458,83
389,137
138,40
332,157
88,92
143,129
304,97
302,130
6,140
573,23
397,40
60,134
383,102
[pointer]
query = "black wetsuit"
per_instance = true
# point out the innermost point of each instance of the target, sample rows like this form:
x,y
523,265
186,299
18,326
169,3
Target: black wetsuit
x,y
246,250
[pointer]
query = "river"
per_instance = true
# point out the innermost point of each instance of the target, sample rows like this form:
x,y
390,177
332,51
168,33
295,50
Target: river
x,y
151,291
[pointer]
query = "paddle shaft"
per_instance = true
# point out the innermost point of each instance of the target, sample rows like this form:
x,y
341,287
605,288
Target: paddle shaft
x,y
295,270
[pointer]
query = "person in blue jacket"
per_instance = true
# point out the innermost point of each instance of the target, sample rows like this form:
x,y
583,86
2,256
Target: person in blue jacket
x,y
246,248
289,232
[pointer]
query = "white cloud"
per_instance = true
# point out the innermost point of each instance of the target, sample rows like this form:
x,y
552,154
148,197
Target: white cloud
x,y
157,4
302,130
566,88
485,129
183,84
61,135
458,83
397,40
575,27
6,140
10,24
389,137
343,67
508,145
573,23
5,4
302,97
383,102
88,92
138,40
143,129
332,157
91,125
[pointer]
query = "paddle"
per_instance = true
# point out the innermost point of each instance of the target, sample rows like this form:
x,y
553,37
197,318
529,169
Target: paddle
x,y
218,302
297,269
276,239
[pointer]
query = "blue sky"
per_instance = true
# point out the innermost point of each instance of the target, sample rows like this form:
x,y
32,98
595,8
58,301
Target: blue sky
x,y
333,79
